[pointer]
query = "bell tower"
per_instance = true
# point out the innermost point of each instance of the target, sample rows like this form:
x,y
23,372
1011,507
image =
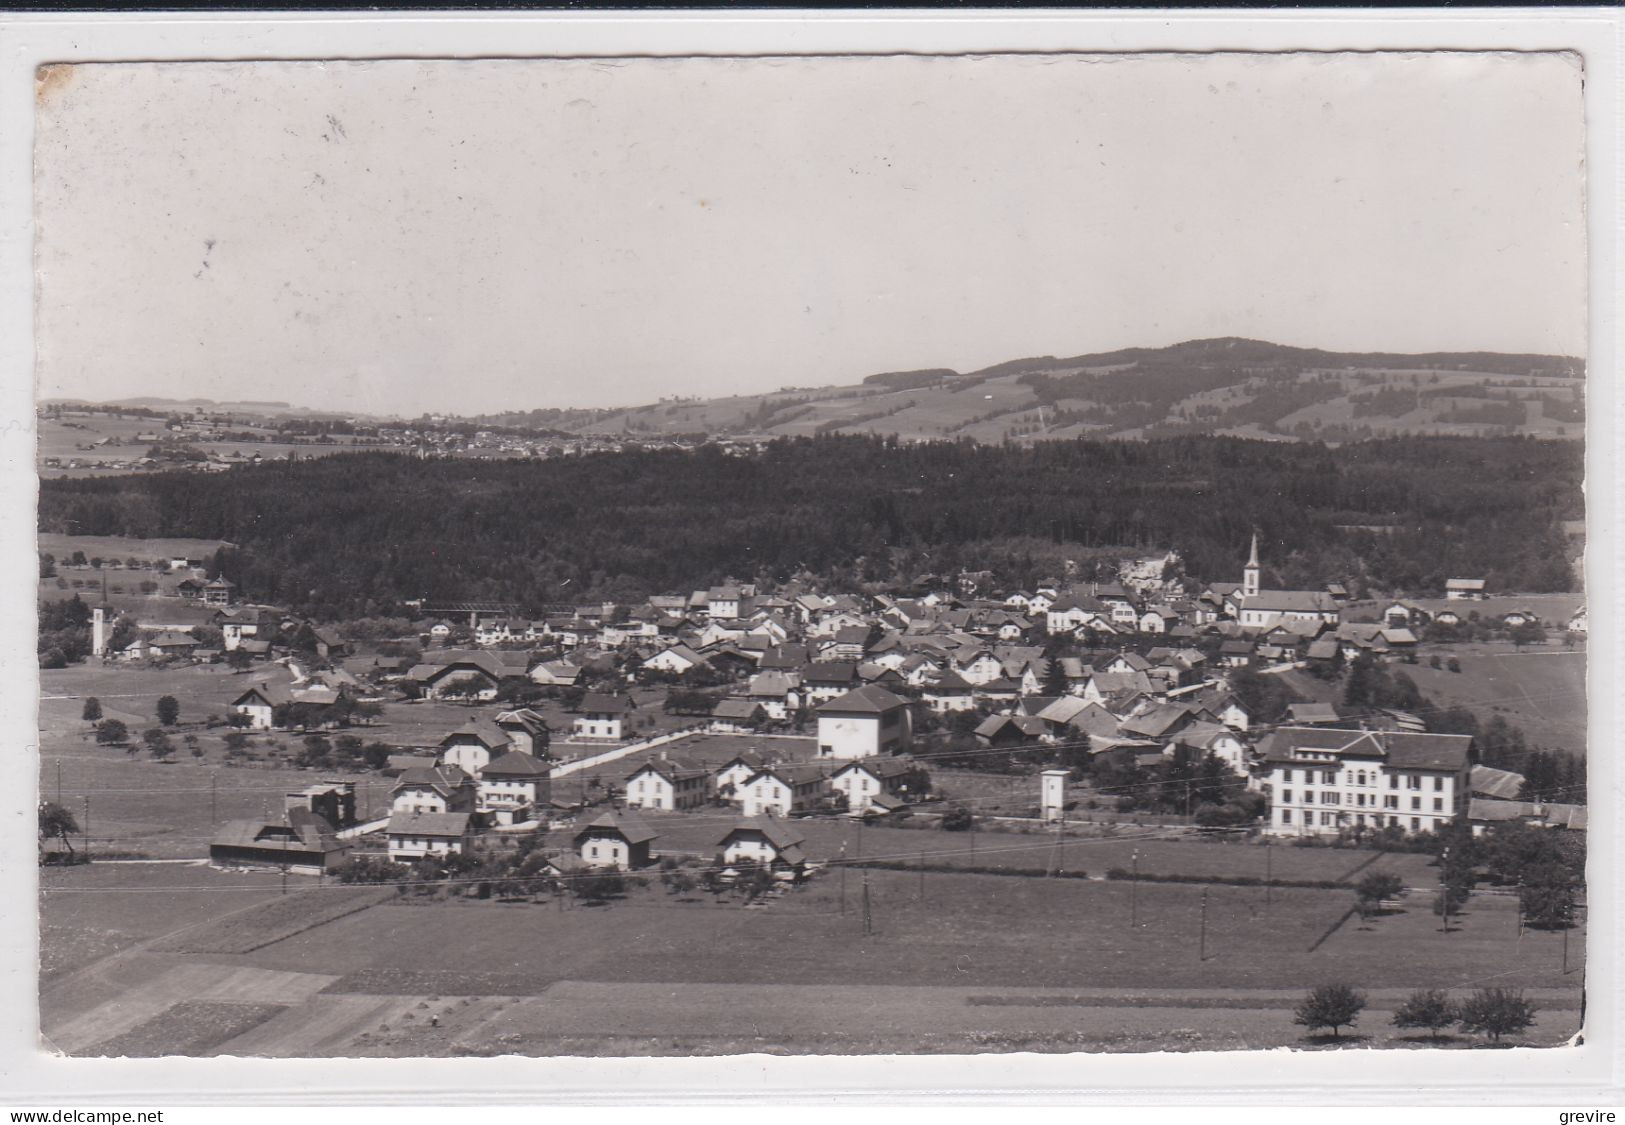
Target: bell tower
x,y
1249,576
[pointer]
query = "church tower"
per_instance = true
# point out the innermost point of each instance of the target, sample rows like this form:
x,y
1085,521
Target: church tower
x,y
1249,576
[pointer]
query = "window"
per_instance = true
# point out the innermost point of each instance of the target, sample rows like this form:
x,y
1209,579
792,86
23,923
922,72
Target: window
x,y
1286,816
1329,798
1413,781
1328,777
1286,796
1359,818
595,851
1416,803
1390,802
1327,818
1359,779
1438,785
1416,824
1393,781
1438,804
1359,799
1308,796
1286,777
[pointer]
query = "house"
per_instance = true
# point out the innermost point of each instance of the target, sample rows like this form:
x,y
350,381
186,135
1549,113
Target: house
x,y
513,785
555,673
1464,589
526,730
617,840
722,603
1502,785
1001,732
602,716
737,716
444,789
888,782
260,702
951,692
414,835
1324,780
865,721
301,840
474,675
677,659
1258,608
779,790
472,746
667,783
1312,715
1235,653
825,680
172,645
219,591
763,841
779,693
729,779
189,588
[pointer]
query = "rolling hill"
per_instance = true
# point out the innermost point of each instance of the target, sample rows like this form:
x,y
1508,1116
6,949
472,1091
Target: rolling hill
x,y
1243,388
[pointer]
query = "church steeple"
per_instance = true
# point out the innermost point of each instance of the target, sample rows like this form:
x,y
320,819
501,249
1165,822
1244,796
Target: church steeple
x,y
1249,576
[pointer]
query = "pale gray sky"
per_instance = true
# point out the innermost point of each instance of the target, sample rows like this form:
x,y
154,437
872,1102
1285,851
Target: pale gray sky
x,y
468,236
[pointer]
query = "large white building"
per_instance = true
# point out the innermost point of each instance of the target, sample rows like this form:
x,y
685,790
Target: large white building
x,y
867,721
1322,780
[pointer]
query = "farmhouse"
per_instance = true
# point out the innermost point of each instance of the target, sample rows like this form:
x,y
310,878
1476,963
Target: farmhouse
x,y
1464,589
301,841
413,835
617,840
882,784
474,675
472,746
665,783
737,716
1323,780
862,723
260,702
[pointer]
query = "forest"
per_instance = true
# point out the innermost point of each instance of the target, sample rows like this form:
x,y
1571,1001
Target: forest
x,y
357,534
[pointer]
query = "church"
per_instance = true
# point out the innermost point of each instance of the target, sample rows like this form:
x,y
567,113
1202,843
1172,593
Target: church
x,y
1257,608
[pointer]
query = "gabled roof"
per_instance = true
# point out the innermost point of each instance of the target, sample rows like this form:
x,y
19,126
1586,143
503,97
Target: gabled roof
x,y
483,731
791,773
1311,713
516,765
881,768
1031,726
779,833
624,823
429,824
1398,749
949,683
442,779
1491,782
830,672
600,704
273,694
773,684
735,708
672,769
871,699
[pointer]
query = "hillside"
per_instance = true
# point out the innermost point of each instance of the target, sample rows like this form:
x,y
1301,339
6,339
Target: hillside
x,y
1232,387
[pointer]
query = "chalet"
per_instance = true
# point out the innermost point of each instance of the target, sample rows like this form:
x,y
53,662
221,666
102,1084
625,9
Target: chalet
x,y
677,659
1464,589
826,680
189,588
1519,617
441,789
301,840
738,716
1001,732
414,835
886,783
616,840
1405,615
864,722
1236,653
555,673
526,730
602,716
722,603
979,666
669,784
778,693
780,790
219,591
1325,780
474,745
172,645
764,841
514,785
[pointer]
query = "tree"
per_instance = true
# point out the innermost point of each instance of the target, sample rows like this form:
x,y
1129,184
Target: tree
x,y
169,710
57,823
1054,682
1329,1005
958,819
1374,888
92,712
1496,1012
1547,897
157,741
111,732
1426,1008
599,886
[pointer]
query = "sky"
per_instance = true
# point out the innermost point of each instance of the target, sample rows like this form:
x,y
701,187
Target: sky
x,y
468,236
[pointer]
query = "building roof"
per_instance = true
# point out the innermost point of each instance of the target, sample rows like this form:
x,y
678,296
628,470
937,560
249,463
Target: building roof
x,y
442,779
624,823
1398,749
1311,713
483,731
871,699
881,768
737,709
516,765
598,703
1488,781
779,833
673,770
1292,601
830,672
791,773
429,824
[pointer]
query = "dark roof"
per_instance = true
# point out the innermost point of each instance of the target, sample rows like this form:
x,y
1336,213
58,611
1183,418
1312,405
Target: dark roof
x,y
596,703
672,769
624,823
429,824
830,672
1399,749
483,731
736,709
882,768
871,699
517,764
777,832
792,774
442,779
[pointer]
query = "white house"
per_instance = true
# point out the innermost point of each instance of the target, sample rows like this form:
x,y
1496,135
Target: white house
x,y
601,716
780,790
413,835
513,786
1464,589
883,782
472,746
866,721
771,843
616,840
730,778
665,783
433,789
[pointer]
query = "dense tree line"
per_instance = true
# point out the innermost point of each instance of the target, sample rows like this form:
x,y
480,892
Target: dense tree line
x,y
355,535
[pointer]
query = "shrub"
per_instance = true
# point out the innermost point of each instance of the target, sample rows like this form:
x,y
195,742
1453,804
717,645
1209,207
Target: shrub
x,y
1496,1012
958,819
1330,1005
1427,1008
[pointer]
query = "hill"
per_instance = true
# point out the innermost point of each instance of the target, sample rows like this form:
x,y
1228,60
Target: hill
x,y
1229,386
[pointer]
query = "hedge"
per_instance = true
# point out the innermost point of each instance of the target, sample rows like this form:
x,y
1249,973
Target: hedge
x,y
965,869
1230,880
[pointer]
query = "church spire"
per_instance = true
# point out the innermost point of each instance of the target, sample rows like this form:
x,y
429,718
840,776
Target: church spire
x,y
1249,576
1252,559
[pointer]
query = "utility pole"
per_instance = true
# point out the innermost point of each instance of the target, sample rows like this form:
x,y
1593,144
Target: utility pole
x,y
868,919
213,818
843,876
922,874
1202,941
59,782
1269,875
86,828
1134,894
1444,887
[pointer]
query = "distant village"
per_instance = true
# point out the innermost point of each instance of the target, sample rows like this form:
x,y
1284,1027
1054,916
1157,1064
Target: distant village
x,y
819,703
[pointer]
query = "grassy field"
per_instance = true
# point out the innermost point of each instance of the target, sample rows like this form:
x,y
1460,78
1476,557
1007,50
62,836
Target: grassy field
x,y
122,547
190,1028
1541,689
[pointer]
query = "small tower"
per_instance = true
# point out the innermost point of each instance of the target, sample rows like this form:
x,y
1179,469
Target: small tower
x,y
1052,795
99,625
1249,576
